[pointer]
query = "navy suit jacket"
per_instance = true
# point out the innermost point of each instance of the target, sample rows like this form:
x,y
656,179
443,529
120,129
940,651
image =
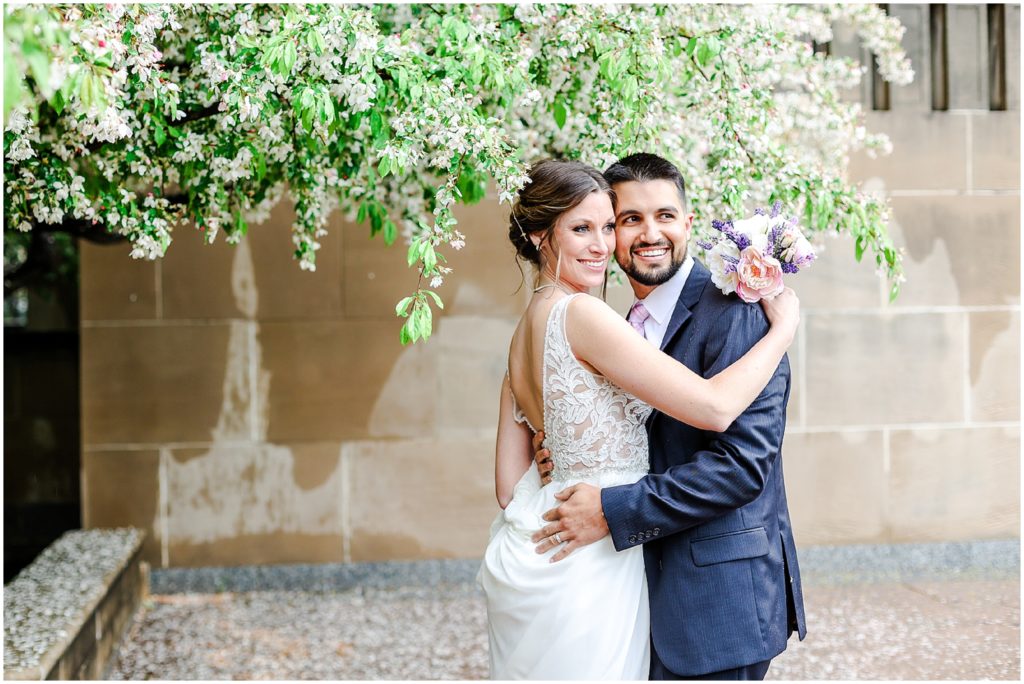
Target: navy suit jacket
x,y
712,515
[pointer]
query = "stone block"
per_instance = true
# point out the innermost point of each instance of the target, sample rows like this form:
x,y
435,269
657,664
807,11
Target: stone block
x,y
994,341
334,380
835,280
917,95
955,484
421,498
266,503
113,286
376,276
874,369
122,489
472,360
283,289
257,278
168,383
995,153
929,151
968,56
836,486
484,280
959,250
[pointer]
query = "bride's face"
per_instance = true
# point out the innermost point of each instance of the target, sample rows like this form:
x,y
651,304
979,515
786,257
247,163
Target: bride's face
x,y
584,236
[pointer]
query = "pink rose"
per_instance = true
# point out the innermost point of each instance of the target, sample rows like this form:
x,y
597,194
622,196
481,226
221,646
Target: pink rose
x,y
760,277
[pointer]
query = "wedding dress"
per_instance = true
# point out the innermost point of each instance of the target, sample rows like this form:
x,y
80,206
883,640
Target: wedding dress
x,y
584,617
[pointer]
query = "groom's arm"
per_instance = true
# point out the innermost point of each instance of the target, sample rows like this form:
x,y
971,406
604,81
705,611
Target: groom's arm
x,y
734,467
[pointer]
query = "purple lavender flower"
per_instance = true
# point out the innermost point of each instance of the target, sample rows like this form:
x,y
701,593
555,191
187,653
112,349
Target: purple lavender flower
x,y
726,228
773,240
776,208
789,268
705,245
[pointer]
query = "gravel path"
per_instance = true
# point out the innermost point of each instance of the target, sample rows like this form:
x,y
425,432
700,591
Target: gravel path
x,y
963,629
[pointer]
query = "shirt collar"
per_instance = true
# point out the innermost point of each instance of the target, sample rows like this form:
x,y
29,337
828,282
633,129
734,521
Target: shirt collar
x,y
661,302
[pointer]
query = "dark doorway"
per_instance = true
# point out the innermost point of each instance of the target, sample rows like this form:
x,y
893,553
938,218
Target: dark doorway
x,y
42,413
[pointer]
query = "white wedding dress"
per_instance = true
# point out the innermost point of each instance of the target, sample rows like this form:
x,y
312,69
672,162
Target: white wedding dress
x,y
584,617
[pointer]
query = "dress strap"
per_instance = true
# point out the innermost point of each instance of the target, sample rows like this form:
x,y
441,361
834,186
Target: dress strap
x,y
556,324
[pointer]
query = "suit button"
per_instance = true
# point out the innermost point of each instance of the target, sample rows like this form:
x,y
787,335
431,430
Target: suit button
x,y
648,534
632,539
657,531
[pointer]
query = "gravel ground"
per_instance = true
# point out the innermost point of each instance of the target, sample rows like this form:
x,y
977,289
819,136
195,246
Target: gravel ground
x,y
957,629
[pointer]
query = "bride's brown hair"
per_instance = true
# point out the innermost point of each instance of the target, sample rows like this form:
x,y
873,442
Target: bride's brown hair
x,y
555,187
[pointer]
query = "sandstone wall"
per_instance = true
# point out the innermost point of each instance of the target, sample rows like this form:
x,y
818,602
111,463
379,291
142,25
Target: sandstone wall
x,y
242,411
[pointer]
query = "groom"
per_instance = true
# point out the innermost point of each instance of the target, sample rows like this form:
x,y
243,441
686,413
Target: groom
x,y
718,545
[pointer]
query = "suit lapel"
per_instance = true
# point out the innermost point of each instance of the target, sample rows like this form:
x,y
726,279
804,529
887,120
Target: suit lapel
x,y
692,290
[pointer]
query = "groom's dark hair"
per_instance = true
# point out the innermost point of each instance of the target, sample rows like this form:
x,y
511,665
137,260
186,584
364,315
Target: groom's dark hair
x,y
643,167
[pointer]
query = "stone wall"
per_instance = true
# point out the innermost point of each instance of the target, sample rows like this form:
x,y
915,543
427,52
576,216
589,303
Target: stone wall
x,y
243,411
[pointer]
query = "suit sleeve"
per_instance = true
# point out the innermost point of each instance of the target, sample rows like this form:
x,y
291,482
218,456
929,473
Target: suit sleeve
x,y
731,472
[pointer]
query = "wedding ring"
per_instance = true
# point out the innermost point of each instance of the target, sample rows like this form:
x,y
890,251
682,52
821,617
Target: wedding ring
x,y
558,537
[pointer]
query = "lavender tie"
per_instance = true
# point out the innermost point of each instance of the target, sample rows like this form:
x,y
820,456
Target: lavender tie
x,y
637,315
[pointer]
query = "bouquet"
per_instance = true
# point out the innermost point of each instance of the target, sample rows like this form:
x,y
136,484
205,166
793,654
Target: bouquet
x,y
750,256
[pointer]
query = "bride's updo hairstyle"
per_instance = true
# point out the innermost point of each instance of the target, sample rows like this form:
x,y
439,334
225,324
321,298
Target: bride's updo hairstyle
x,y
554,188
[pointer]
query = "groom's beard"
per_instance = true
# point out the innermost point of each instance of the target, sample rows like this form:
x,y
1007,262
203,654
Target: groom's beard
x,y
656,275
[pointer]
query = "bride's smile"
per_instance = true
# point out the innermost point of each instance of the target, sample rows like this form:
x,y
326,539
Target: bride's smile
x,y
583,240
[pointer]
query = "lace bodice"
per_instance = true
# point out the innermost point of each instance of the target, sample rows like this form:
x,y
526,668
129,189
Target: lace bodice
x,y
590,424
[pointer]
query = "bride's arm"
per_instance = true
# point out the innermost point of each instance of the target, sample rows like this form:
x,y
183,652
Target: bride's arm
x,y
513,452
607,342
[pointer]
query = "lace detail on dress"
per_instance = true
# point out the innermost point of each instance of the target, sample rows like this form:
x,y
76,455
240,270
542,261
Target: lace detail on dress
x,y
590,424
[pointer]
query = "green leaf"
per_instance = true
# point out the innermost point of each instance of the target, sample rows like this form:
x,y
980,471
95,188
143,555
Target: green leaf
x,y
402,308
58,102
704,53
288,60
429,257
436,297
363,208
405,335
859,246
390,232
240,225
159,132
691,45
560,113
261,165
86,90
415,249
630,87
384,168
894,292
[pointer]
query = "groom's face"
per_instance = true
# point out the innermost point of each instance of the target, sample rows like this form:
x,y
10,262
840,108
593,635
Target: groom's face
x,y
651,232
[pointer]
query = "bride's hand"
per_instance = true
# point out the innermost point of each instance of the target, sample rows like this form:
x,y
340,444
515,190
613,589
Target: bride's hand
x,y
783,311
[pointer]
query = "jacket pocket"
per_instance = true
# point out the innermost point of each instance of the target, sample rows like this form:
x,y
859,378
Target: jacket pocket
x,y
729,547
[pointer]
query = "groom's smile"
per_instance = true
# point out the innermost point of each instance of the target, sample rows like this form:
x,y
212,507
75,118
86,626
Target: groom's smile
x,y
652,230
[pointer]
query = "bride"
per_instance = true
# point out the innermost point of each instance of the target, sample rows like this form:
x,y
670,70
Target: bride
x,y
580,372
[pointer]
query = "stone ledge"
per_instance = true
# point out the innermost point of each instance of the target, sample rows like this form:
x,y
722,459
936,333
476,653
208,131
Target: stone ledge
x,y
65,613
819,565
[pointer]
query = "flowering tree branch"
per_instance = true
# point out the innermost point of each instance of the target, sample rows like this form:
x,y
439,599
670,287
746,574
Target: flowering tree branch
x,y
393,113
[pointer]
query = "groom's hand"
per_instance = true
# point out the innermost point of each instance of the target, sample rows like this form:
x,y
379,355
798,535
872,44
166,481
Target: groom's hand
x,y
577,522
543,458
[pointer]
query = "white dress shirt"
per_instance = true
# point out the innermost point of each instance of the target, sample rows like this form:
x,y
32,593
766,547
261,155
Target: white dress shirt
x,y
661,302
